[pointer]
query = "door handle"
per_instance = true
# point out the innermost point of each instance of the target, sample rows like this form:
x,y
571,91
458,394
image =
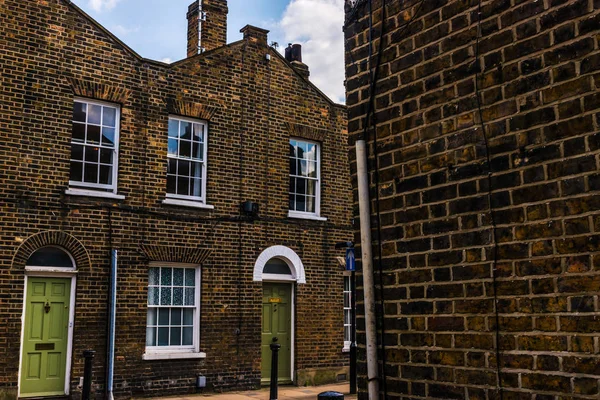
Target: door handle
x,y
275,339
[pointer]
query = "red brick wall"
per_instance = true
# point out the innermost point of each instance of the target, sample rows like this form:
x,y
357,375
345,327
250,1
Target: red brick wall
x,y
529,81
52,53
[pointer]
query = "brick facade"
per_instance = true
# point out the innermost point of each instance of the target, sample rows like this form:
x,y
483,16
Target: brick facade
x,y
51,53
487,119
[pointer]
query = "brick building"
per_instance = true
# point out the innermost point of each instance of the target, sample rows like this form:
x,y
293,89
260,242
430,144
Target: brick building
x,y
113,164
484,151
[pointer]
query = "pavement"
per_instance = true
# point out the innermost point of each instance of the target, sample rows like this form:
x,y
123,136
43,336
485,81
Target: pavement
x,y
284,393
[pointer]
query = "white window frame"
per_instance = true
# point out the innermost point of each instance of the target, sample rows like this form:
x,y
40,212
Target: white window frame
x,y
86,188
177,352
306,214
188,200
347,311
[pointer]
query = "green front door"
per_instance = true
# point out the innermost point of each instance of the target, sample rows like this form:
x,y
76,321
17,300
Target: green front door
x,y
45,337
277,323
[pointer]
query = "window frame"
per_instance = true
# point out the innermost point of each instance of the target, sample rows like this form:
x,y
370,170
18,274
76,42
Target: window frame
x,y
188,200
174,352
84,188
316,215
347,310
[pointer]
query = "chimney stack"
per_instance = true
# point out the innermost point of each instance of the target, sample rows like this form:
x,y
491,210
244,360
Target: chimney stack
x,y
293,54
207,25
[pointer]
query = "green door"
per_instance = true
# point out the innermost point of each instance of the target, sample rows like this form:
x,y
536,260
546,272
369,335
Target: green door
x,y
45,337
277,323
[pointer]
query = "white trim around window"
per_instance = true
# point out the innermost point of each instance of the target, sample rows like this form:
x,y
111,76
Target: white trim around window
x,y
187,150
94,160
173,312
304,179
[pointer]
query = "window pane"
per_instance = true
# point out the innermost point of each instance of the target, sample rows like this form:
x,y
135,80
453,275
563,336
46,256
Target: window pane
x,y
79,111
90,173
300,186
94,112
153,293
76,152
106,156
165,276
50,257
292,148
176,316
172,147
171,184
109,117
198,133
153,275
300,203
188,316
185,149
93,134
92,153
177,296
189,296
186,130
196,187
163,316
198,151
78,132
293,169
311,187
311,152
184,168
173,128
183,186
303,168
310,204
105,175
163,336
292,202
172,166
177,276
190,277
187,337
165,296
312,169
76,171
175,337
150,336
151,319
108,136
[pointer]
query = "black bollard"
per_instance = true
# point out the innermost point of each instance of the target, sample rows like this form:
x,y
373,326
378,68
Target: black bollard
x,y
274,356
330,396
87,374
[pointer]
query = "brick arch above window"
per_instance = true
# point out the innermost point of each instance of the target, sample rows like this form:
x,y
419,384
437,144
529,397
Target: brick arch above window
x,y
99,91
306,132
60,239
285,253
185,255
190,109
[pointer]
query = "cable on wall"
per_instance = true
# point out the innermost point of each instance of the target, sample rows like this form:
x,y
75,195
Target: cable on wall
x,y
370,121
489,172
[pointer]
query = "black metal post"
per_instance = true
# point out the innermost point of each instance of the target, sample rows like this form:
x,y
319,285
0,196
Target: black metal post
x,y
274,358
87,373
353,333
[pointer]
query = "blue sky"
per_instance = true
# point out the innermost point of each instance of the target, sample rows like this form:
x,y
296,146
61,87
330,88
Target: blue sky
x,y
156,29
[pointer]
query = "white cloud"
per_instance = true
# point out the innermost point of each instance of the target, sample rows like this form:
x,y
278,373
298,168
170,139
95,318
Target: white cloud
x,y
100,5
317,26
166,60
121,30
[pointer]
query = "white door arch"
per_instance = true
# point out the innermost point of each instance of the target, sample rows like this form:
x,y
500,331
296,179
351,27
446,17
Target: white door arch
x,y
286,254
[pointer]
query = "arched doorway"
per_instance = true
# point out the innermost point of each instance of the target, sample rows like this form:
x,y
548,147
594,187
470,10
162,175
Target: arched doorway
x,y
279,268
47,327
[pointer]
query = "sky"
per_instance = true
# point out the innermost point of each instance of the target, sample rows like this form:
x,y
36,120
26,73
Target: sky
x,y
157,29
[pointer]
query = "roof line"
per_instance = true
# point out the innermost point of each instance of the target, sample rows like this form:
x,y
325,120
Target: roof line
x,y
103,29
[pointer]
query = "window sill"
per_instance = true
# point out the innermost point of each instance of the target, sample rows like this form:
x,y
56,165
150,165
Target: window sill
x,y
172,356
187,203
346,349
93,193
301,215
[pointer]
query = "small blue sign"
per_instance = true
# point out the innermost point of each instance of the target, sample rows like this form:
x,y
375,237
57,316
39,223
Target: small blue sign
x,y
350,260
